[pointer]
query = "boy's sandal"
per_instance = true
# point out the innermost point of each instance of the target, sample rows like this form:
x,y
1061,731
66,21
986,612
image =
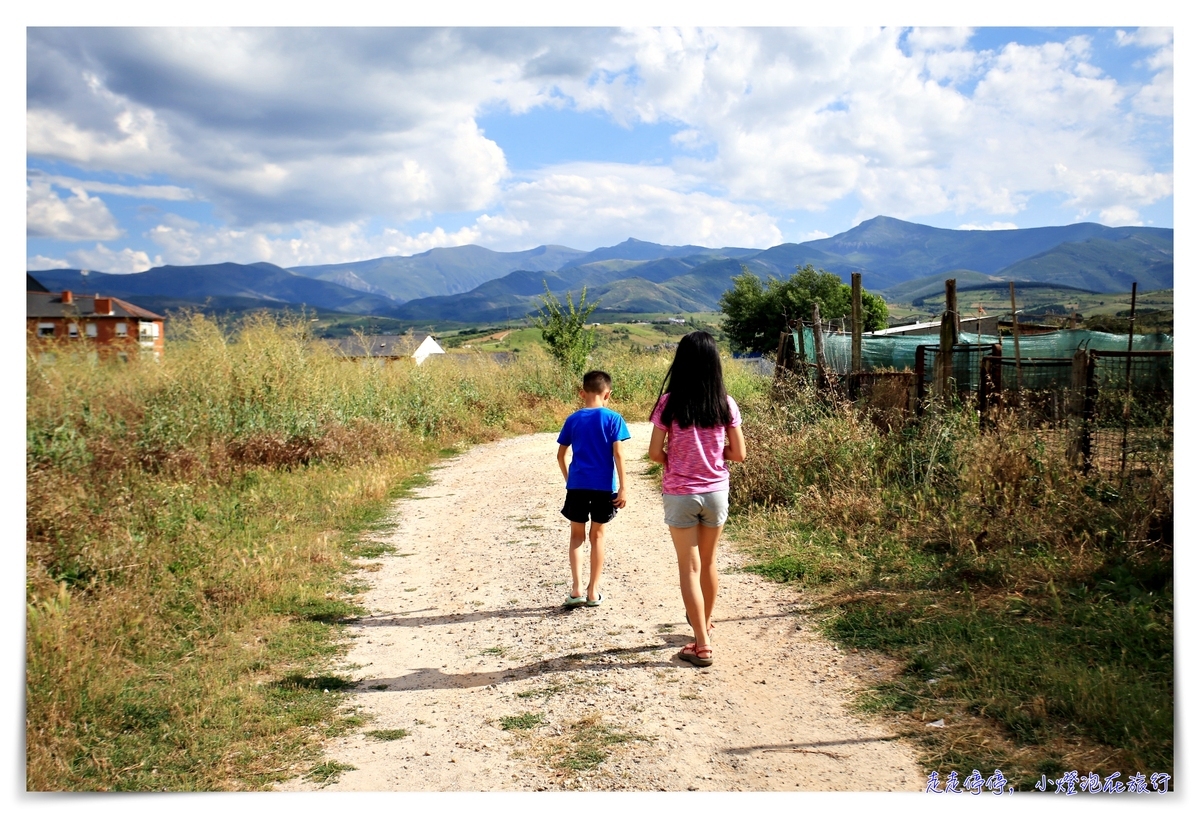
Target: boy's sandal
x,y
594,603
700,657
574,601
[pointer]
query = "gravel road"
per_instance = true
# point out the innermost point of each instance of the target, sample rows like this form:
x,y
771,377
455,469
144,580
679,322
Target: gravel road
x,y
466,636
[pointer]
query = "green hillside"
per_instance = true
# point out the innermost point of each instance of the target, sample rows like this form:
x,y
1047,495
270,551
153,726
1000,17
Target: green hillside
x,y
1102,265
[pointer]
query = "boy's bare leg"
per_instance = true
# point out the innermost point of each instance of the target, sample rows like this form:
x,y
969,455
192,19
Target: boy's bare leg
x,y
578,537
596,535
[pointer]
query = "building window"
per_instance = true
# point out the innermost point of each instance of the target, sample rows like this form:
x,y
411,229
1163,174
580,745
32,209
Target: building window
x,y
73,330
122,329
90,329
45,330
148,329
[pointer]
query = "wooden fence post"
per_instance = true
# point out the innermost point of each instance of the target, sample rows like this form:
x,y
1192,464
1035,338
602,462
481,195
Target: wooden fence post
x,y
856,322
1016,331
952,305
819,346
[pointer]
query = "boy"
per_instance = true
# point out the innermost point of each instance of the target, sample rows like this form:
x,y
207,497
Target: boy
x,y
595,481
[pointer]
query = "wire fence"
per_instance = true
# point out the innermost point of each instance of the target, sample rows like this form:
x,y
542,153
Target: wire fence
x,y
1112,409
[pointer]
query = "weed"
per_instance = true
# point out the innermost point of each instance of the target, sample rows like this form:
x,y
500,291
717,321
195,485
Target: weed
x,y
387,735
525,721
586,744
1038,601
328,772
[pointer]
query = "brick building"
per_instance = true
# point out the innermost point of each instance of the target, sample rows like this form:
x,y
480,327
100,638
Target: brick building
x,y
111,326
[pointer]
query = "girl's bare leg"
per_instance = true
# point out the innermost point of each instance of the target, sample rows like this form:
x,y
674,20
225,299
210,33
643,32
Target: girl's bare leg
x,y
687,552
706,541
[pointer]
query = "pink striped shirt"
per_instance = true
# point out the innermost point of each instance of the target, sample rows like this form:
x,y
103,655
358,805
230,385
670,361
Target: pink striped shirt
x,y
695,464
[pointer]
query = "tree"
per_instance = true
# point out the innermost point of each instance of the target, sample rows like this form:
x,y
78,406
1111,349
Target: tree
x,y
564,329
755,313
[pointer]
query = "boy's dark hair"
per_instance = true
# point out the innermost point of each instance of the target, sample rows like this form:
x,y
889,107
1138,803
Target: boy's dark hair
x,y
696,390
596,381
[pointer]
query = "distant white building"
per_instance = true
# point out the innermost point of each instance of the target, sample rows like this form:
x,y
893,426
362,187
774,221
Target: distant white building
x,y
415,345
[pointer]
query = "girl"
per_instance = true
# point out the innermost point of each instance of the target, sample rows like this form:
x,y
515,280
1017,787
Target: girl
x,y
696,432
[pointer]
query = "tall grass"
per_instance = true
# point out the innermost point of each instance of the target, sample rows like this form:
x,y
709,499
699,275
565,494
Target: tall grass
x,y
1032,608
189,528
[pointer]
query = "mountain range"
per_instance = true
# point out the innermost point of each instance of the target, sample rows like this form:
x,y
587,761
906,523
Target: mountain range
x,y
472,284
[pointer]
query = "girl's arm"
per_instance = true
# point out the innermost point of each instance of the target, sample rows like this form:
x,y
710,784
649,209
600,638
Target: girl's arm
x,y
735,444
658,445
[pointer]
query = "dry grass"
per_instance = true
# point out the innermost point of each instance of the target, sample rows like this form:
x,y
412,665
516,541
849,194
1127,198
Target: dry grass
x,y
1039,602
190,525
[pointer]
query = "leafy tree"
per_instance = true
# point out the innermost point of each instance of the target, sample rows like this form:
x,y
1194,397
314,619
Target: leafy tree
x,y
564,329
755,313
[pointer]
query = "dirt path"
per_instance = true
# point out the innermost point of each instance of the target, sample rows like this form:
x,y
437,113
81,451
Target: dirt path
x,y
466,630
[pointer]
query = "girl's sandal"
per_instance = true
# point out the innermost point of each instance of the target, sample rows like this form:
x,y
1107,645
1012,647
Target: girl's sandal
x,y
687,617
700,657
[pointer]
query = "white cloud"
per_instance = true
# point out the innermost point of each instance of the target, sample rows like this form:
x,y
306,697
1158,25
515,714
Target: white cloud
x,y
284,130
991,226
1120,216
586,205
937,39
77,218
104,260
581,206
40,262
1114,191
308,243
1146,37
172,193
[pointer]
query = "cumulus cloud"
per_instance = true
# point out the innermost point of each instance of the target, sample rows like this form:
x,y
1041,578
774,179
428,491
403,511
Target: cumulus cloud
x,y
77,218
584,205
301,138
105,260
579,205
309,243
1120,216
991,226
40,262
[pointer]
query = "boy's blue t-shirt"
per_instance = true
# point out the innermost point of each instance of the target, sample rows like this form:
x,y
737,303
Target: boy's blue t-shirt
x,y
591,433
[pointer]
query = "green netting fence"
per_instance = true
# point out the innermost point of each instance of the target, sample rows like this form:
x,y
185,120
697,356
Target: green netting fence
x,y
900,352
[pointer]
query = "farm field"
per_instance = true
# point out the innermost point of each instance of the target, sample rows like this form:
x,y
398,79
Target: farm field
x,y
1036,300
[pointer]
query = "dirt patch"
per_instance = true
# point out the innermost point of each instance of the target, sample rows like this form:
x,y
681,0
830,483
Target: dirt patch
x,y
485,683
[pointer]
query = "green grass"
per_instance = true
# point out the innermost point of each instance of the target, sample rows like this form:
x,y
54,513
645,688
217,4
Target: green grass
x,y
524,721
1029,607
587,744
387,735
327,772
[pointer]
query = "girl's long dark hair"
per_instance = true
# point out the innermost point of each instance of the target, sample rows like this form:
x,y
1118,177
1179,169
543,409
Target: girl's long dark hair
x,y
694,386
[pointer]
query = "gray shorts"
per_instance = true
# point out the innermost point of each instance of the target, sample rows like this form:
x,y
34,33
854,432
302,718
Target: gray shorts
x,y
685,510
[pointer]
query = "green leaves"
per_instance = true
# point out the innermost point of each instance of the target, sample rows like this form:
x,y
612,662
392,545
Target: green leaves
x,y
564,329
755,313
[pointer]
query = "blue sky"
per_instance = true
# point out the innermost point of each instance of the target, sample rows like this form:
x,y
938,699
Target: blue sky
x,y
150,146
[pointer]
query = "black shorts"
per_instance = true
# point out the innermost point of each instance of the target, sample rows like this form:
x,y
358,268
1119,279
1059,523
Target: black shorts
x,y
582,503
